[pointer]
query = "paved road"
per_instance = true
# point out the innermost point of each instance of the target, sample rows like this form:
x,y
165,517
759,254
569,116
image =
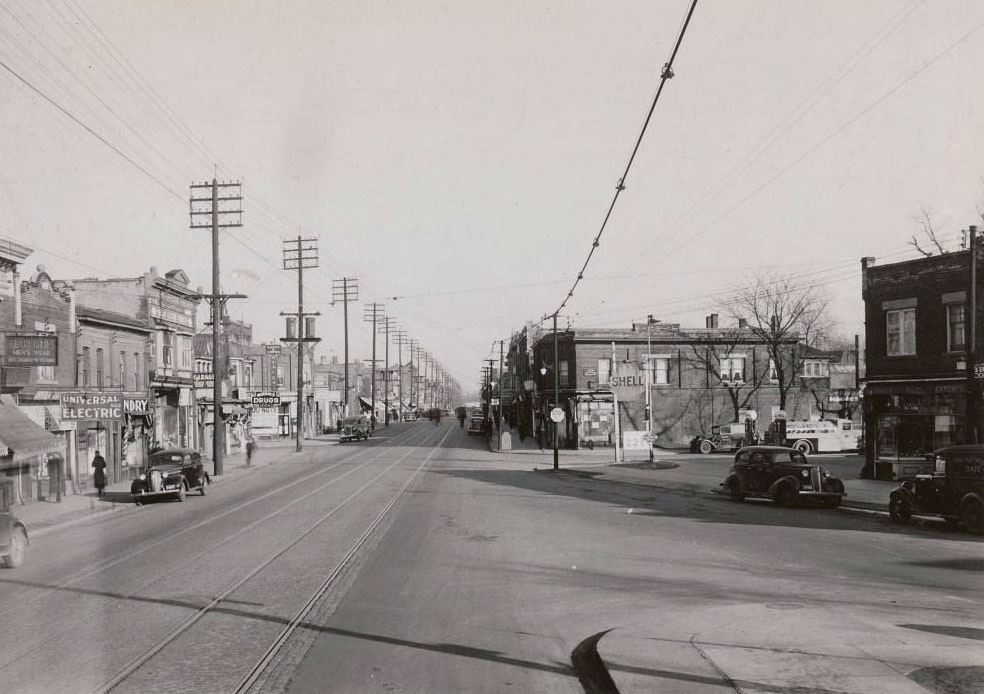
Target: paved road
x,y
421,562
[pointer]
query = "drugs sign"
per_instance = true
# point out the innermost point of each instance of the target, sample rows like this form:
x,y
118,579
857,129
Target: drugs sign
x,y
266,399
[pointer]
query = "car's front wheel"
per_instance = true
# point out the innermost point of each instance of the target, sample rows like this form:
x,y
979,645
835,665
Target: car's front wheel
x,y
201,490
706,446
786,495
898,509
972,516
180,496
18,549
803,446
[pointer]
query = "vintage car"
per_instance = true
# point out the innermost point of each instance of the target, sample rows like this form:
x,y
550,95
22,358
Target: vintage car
x,y
13,533
782,474
475,426
954,491
170,473
354,428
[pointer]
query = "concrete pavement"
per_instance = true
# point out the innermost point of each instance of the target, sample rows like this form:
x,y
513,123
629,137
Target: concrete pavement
x,y
683,471
42,517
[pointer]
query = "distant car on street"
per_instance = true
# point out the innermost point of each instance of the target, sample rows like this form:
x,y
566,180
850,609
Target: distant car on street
x,y
475,426
954,491
13,533
783,475
170,473
354,428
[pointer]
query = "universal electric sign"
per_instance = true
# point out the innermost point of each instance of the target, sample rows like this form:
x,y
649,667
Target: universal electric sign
x,y
91,405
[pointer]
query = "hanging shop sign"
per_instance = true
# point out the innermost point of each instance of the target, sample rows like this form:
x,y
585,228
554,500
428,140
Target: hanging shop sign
x,y
204,379
136,406
91,405
30,350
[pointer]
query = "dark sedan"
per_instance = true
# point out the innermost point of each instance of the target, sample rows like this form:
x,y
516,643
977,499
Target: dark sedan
x,y
171,473
783,475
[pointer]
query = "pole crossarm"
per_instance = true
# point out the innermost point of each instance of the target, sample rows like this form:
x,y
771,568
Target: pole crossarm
x,y
221,211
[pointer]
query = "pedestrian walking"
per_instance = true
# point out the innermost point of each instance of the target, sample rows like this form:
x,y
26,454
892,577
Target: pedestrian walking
x,y
250,449
99,478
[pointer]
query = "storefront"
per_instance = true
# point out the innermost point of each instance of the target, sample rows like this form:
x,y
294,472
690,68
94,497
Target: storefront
x,y
595,419
24,451
907,420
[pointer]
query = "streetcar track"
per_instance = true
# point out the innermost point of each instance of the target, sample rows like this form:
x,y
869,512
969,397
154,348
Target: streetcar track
x,y
191,559
94,569
144,658
257,670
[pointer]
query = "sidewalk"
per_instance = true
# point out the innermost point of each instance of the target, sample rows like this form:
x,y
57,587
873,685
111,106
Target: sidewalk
x,y
681,471
42,517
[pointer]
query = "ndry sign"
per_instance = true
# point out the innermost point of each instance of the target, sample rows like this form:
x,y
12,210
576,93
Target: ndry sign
x,y
91,405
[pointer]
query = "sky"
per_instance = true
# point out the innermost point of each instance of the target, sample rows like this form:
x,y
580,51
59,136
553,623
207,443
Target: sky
x,y
458,158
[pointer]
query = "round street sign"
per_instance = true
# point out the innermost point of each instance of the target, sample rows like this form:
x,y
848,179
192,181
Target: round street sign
x,y
557,415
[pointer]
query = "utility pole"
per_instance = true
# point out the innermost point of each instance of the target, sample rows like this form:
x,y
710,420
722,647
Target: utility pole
x,y
373,313
388,323
498,422
413,344
345,290
223,212
556,442
400,334
972,376
299,254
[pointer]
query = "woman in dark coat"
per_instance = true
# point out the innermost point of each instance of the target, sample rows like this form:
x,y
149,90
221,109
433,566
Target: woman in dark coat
x,y
99,478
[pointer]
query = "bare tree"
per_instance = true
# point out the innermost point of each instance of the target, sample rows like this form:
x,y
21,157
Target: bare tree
x,y
739,383
925,221
785,313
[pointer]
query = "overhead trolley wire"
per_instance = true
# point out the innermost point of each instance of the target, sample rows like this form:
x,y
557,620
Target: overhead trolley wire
x,y
666,74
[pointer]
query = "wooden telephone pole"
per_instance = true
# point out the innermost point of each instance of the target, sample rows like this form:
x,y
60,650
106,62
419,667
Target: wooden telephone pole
x,y
345,290
223,208
299,254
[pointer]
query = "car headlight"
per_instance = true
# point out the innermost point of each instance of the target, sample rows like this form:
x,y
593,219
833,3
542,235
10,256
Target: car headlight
x,y
806,473
142,477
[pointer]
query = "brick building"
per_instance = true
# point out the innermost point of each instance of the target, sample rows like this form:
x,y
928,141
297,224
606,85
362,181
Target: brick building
x,y
916,395
697,378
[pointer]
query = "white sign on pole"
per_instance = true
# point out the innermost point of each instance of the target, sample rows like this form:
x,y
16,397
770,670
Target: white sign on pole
x,y
635,440
557,415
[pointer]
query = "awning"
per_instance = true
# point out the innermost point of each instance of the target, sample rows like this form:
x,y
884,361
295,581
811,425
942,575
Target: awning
x,y
367,404
22,436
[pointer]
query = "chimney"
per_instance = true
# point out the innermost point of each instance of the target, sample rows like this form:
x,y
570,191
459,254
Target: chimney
x,y
707,321
714,320
742,323
866,262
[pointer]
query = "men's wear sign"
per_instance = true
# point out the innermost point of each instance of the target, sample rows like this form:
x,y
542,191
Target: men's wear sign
x,y
31,350
91,405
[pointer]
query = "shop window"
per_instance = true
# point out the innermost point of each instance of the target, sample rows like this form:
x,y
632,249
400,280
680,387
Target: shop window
x,y
956,327
900,332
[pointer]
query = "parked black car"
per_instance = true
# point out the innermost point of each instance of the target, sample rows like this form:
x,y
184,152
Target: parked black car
x,y
953,492
782,474
13,533
172,472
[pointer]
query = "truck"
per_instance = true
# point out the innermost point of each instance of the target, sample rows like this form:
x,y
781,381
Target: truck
x,y
832,435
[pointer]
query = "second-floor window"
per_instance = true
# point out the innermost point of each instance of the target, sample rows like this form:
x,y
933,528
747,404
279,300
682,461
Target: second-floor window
x,y
956,327
773,371
85,367
167,345
123,372
813,368
99,367
733,369
900,332
562,372
604,371
137,381
660,367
